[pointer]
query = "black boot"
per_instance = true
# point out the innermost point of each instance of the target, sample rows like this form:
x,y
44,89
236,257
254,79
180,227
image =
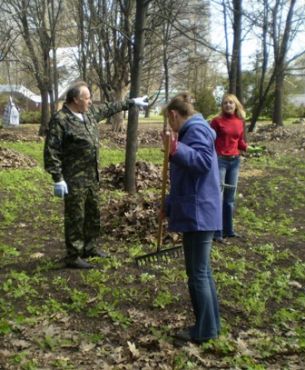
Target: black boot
x,y
78,263
95,253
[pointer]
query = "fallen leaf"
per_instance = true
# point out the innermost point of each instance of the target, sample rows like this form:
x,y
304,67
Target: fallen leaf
x,y
86,346
295,284
37,255
134,351
20,344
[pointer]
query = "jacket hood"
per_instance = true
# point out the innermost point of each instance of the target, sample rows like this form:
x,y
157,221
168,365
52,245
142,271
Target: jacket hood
x,y
196,119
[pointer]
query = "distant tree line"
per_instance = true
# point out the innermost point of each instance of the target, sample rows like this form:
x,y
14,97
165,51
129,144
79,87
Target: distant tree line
x,y
179,50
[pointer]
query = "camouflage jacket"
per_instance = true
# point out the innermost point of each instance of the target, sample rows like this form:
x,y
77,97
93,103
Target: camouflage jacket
x,y
71,150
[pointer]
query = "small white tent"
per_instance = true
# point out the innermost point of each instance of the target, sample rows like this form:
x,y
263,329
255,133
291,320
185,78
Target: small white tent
x,y
11,114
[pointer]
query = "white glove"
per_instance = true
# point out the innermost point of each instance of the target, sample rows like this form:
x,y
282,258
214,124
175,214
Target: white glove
x,y
141,102
60,189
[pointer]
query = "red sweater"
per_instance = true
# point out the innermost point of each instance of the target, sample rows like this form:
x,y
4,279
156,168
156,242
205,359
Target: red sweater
x,y
229,134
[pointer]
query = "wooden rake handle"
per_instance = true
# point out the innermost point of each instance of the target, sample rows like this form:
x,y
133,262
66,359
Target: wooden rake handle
x,y
163,190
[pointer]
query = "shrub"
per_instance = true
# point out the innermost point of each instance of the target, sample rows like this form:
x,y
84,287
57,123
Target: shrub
x,y
30,117
205,102
294,111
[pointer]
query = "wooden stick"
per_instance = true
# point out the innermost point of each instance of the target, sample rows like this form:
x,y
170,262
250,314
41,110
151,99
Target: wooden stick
x,y
163,190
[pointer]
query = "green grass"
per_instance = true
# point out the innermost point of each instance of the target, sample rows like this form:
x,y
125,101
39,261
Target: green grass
x,y
31,149
107,156
116,156
262,306
24,190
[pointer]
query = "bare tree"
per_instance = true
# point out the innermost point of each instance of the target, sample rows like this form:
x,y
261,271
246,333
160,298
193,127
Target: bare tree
x,y
281,40
54,10
279,23
235,67
104,41
232,13
182,31
136,73
37,29
7,37
172,21
263,85
112,61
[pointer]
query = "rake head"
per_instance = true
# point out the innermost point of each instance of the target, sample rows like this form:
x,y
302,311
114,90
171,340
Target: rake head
x,y
164,255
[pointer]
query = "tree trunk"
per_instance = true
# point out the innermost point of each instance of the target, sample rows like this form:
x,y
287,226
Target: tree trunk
x,y
166,73
136,72
55,79
263,87
281,46
277,116
44,112
117,120
255,114
258,107
235,66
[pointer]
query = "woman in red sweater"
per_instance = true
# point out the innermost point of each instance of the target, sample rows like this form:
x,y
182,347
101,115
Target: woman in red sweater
x,y
230,139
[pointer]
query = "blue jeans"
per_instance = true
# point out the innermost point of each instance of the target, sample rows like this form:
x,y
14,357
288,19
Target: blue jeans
x,y
228,173
197,249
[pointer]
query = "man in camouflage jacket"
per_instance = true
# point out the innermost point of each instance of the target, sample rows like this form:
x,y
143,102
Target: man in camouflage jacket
x,y
71,156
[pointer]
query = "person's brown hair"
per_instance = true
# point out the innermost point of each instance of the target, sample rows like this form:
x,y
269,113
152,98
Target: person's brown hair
x,y
74,91
182,103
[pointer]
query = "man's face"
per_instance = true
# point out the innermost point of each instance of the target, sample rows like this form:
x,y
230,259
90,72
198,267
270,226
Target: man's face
x,y
83,102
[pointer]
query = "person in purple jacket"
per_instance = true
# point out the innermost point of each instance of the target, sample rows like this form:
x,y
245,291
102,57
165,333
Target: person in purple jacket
x,y
193,207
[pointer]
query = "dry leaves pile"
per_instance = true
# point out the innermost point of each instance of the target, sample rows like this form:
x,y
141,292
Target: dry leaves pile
x,y
147,175
131,218
20,133
12,159
272,133
149,136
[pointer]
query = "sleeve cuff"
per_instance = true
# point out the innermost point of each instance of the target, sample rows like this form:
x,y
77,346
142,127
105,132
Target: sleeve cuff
x,y
130,102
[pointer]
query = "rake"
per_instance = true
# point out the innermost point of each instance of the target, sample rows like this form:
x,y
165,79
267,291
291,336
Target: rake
x,y
168,253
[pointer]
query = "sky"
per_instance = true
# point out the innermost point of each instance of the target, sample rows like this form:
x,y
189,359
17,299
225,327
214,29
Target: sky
x,y
251,42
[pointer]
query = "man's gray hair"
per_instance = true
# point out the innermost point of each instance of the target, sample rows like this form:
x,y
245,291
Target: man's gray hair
x,y
74,91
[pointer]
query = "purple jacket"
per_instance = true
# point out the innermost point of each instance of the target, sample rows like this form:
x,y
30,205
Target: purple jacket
x,y
194,202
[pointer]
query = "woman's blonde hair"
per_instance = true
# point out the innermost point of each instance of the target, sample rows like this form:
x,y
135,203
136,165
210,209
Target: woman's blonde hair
x,y
182,103
239,109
